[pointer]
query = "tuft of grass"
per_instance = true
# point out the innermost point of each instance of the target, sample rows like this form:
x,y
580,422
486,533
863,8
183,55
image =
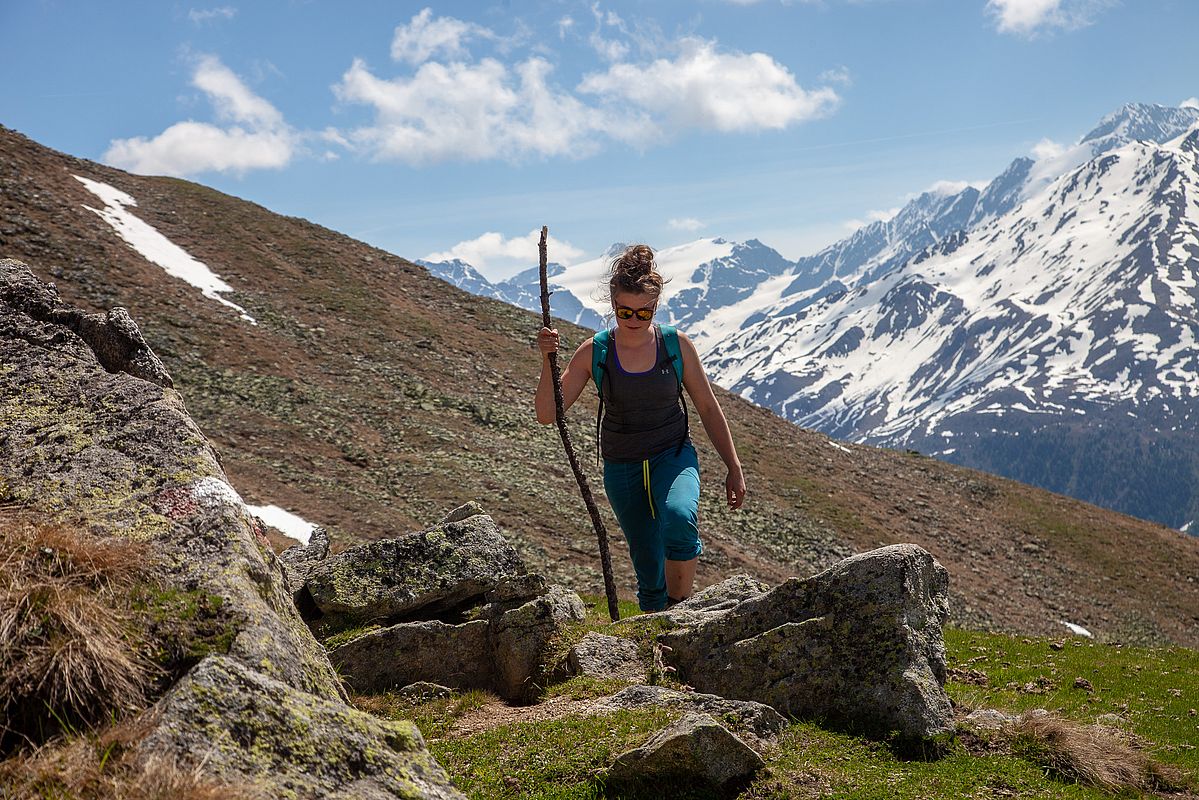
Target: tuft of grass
x,y
104,765
556,759
584,687
1093,755
70,652
435,718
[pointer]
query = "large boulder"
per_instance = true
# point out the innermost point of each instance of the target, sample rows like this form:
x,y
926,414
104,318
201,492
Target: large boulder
x,y
93,435
859,645
502,650
601,656
695,752
241,726
425,574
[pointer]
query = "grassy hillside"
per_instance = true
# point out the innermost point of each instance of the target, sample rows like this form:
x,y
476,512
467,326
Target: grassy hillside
x,y
1143,699
372,397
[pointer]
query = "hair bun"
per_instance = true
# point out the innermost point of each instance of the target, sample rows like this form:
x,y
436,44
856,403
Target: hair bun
x,y
637,260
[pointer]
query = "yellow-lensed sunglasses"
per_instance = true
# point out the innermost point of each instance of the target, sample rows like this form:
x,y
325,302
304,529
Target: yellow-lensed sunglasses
x,y
643,314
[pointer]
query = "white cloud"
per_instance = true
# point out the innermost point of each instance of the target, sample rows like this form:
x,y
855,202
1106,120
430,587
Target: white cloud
x,y
1029,17
1047,148
202,15
876,215
685,224
836,75
494,253
565,24
426,35
953,187
1190,102
705,88
470,112
256,136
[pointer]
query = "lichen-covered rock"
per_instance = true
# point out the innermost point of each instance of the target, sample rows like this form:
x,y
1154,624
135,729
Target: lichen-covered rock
x,y
464,511
712,601
502,650
858,645
695,752
389,658
299,559
757,723
602,656
422,691
426,573
92,434
235,723
520,638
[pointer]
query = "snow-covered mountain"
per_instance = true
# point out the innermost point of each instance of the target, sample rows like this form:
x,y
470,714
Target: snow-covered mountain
x,y
1040,327
1056,344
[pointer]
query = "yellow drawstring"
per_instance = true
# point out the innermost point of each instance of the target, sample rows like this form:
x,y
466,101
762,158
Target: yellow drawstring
x,y
648,493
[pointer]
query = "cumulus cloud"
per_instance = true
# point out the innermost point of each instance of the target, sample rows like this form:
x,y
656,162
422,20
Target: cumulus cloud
x,y
705,88
1190,102
1029,17
202,15
255,135
876,215
461,109
685,224
425,36
493,252
470,112
836,75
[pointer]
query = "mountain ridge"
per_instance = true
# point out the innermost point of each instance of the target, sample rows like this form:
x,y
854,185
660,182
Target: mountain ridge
x,y
370,397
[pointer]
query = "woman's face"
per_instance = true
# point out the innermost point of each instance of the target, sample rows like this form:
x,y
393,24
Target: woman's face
x,y
637,301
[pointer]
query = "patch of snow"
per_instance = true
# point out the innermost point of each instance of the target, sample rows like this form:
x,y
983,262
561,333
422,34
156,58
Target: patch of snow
x,y
1186,528
1078,630
156,248
839,447
291,524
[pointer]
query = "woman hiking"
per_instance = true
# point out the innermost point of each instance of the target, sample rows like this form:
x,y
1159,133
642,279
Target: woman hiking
x,y
651,472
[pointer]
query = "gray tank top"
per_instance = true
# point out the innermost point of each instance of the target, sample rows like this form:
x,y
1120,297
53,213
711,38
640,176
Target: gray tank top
x,y
642,415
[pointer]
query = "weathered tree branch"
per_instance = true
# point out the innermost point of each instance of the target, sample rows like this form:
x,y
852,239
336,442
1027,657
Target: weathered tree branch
x,y
601,533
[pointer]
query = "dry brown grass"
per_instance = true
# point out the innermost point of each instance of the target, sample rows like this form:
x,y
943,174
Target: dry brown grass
x,y
69,651
105,766
1094,755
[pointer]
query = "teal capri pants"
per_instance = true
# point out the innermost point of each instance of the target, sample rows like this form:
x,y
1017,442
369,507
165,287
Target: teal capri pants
x,y
657,504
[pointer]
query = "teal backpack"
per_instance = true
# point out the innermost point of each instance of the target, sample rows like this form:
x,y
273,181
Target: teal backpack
x,y
602,342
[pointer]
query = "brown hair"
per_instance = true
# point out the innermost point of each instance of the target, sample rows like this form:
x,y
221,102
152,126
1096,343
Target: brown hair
x,y
634,271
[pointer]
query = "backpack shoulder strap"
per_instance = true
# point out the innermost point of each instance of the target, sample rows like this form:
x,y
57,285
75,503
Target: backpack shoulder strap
x,y
670,338
599,357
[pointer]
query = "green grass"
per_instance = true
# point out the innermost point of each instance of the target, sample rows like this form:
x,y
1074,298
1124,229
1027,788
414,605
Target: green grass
x,y
1151,690
554,760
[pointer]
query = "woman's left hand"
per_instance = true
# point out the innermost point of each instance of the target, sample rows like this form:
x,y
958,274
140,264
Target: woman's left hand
x,y
734,487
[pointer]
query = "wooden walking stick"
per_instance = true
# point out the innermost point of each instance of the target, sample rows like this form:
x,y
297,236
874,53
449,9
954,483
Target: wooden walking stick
x,y
601,533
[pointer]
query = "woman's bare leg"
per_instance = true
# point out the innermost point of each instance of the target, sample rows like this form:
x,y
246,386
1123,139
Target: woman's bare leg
x,y
680,576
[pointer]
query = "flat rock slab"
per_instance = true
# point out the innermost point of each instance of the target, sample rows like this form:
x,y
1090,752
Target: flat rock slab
x,y
757,722
858,645
230,721
696,752
425,573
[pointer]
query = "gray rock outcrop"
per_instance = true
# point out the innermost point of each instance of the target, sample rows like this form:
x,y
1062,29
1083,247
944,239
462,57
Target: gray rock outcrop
x,y
859,645
428,573
239,725
502,650
93,436
92,433
695,752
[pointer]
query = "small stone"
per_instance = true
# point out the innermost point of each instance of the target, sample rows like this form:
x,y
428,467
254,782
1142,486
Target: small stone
x,y
603,656
1083,683
464,511
423,691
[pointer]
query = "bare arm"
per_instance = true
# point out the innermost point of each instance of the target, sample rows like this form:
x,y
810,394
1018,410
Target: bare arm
x,y
695,381
574,377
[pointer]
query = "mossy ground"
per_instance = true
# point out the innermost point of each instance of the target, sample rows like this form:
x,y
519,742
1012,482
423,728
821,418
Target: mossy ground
x,y
1151,690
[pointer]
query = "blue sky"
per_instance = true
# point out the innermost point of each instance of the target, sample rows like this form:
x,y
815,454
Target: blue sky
x,y
460,127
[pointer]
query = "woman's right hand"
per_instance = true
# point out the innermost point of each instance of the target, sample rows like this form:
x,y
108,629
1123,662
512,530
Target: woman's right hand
x,y
547,341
